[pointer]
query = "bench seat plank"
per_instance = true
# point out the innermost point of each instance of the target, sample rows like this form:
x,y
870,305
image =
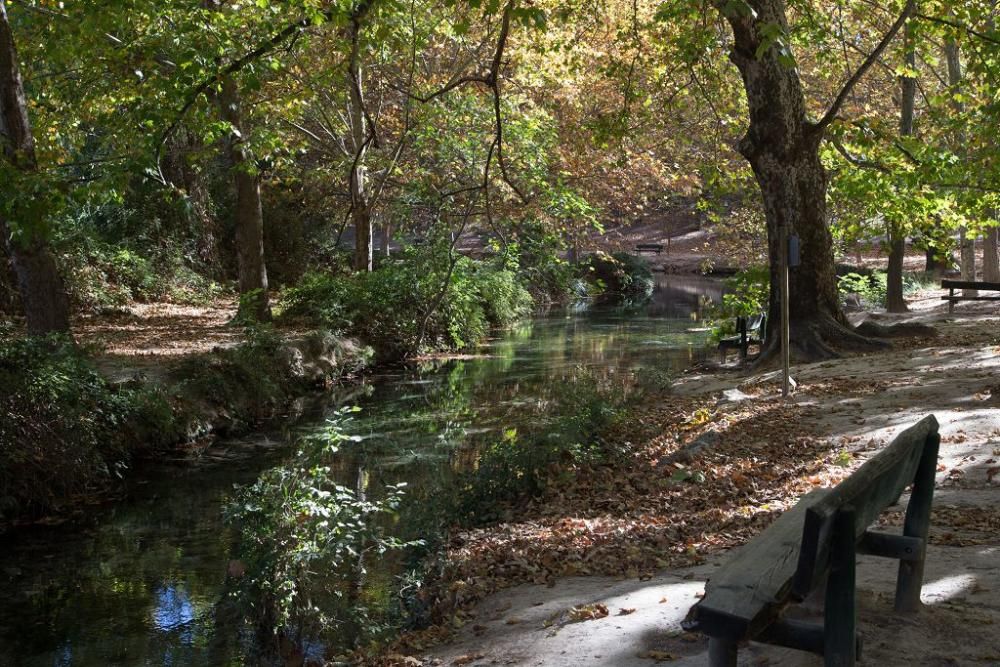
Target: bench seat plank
x,y
748,592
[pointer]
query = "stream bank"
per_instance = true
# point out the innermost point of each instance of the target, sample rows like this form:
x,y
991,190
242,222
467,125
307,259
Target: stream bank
x,y
144,580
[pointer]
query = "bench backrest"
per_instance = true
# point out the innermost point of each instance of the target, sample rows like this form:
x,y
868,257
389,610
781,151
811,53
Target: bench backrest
x,y
870,489
969,284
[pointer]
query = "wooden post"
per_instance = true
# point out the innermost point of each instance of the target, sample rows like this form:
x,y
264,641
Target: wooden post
x,y
744,344
951,302
721,652
785,317
917,524
840,612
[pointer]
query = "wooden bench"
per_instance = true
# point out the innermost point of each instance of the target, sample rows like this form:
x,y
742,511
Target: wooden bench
x,y
816,542
649,247
952,285
748,332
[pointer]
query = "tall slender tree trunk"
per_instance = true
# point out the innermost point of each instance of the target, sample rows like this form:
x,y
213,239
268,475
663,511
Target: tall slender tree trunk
x,y
894,301
966,243
991,256
254,299
43,294
361,213
782,146
386,238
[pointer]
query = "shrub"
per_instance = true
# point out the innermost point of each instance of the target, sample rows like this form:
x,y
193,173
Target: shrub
x,y
304,540
871,289
621,277
746,295
414,303
521,464
64,430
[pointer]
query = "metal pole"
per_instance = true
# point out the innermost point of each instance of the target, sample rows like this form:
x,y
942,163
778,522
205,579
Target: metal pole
x,y
785,357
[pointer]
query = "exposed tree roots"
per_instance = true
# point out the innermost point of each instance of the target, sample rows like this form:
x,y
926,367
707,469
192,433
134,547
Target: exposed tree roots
x,y
817,339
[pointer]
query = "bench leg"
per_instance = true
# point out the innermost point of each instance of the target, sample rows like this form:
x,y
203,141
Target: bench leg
x,y
917,524
840,611
951,302
721,652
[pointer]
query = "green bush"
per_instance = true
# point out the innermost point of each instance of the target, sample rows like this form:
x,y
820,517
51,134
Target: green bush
x,y
244,380
521,464
415,303
621,277
871,288
746,295
304,542
64,430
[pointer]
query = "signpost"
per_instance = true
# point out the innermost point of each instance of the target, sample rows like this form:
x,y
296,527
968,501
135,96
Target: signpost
x,y
790,257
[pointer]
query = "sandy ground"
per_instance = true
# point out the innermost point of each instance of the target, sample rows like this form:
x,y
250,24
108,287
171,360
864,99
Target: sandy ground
x,y
955,377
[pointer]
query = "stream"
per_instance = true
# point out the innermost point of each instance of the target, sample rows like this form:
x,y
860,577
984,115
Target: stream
x,y
139,582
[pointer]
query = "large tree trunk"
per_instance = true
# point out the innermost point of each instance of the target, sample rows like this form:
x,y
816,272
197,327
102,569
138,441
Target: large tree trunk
x,y
966,243
254,301
894,301
43,294
991,257
782,146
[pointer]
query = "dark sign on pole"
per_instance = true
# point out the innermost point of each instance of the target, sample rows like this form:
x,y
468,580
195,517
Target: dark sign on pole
x,y
794,255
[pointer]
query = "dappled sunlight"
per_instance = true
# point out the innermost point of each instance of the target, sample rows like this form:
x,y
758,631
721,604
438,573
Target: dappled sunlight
x,y
947,588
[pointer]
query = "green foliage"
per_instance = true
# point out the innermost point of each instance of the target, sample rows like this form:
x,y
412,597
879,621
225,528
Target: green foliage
x,y
304,541
622,277
747,292
393,308
245,380
64,430
521,464
871,289
746,295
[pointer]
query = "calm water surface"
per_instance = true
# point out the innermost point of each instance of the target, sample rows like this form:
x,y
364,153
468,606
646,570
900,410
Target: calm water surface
x,y
142,582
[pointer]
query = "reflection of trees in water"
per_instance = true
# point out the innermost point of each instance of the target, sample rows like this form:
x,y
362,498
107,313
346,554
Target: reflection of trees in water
x,y
146,584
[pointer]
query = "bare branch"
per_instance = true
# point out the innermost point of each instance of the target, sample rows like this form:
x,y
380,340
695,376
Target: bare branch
x,y
845,92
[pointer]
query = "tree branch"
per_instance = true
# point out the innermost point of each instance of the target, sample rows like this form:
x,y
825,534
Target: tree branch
x,y
845,92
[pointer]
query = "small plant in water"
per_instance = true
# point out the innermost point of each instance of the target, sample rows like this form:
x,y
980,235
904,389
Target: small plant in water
x,y
304,540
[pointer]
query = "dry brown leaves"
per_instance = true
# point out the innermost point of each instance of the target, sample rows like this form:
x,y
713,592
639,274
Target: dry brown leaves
x,y
957,526
632,519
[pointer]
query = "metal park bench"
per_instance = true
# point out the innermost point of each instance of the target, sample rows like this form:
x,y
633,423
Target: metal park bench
x,y
952,285
748,332
816,542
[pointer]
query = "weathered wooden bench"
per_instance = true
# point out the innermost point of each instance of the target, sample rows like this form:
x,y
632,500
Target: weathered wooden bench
x,y
816,542
748,332
952,285
649,247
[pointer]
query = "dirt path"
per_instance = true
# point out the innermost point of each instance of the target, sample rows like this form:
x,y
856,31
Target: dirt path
x,y
856,405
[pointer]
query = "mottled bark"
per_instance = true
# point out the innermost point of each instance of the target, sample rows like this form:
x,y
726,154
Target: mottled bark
x,y
386,238
43,294
991,256
361,206
782,146
254,300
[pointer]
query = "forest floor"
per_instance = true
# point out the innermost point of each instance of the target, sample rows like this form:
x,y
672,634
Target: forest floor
x,y
649,535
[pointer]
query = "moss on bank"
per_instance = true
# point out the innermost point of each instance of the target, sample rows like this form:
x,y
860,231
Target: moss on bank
x,y
68,433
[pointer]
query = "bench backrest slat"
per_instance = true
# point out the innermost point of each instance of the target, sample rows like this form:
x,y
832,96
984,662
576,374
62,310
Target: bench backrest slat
x,y
969,284
870,489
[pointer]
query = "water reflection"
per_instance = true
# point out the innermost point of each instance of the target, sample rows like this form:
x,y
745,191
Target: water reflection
x,y
142,583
